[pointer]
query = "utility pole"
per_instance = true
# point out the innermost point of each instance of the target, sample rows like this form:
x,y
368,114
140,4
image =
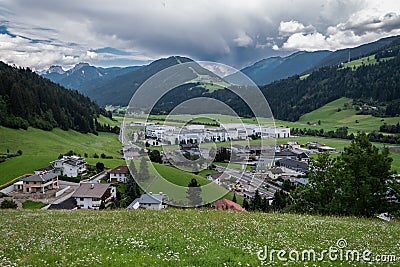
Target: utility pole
x,y
349,56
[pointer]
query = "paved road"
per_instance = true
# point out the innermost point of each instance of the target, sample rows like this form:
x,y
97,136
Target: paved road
x,y
98,178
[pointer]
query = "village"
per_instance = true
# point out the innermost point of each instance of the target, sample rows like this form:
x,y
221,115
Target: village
x,y
242,169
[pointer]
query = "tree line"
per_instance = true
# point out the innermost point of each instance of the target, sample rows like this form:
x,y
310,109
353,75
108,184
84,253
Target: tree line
x,y
26,99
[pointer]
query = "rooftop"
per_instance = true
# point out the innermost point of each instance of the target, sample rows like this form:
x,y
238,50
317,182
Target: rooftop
x,y
120,169
40,178
151,198
91,190
226,204
290,163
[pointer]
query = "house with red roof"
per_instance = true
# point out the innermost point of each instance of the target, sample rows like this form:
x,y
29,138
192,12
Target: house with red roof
x,y
226,204
119,174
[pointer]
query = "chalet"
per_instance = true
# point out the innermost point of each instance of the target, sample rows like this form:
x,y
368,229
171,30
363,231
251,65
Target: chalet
x,y
303,157
90,195
119,174
275,173
40,183
293,145
215,177
296,165
70,166
226,204
149,201
313,145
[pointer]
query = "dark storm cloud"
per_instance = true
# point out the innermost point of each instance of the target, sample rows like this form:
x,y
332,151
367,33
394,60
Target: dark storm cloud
x,y
232,32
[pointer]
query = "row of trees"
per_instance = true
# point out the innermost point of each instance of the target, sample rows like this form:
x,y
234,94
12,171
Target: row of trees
x,y
106,127
341,132
387,128
280,201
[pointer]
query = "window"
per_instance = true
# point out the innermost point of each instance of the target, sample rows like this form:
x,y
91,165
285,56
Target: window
x,y
81,198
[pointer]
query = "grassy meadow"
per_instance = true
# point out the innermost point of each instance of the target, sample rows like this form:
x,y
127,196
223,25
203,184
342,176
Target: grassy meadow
x,y
40,147
184,237
364,61
331,118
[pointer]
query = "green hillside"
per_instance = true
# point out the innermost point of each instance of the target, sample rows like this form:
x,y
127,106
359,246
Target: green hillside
x,y
26,99
364,61
184,238
331,118
40,147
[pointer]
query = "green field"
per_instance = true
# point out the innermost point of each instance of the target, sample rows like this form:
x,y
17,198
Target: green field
x,y
173,182
328,115
115,122
189,237
364,61
40,147
331,119
29,204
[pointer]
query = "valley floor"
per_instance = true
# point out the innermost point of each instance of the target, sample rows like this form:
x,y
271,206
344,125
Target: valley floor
x,y
186,238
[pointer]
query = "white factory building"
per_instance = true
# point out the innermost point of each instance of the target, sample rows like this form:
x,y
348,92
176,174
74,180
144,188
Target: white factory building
x,y
199,133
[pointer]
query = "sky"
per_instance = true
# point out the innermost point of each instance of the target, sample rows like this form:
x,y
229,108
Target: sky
x,y
41,33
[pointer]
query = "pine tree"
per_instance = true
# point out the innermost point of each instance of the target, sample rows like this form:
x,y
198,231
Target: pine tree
x,y
265,205
234,198
246,205
256,201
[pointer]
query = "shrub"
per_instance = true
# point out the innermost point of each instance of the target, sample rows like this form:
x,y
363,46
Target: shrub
x,y
8,204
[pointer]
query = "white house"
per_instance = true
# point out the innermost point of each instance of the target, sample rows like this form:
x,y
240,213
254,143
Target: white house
x,y
90,195
215,177
70,166
119,174
149,201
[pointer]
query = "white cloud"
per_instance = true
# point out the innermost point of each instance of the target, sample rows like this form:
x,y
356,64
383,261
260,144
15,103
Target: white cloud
x,y
309,42
287,28
361,27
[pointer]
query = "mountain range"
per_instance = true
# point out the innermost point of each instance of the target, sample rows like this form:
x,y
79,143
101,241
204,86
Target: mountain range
x,y
116,85
26,99
83,75
276,68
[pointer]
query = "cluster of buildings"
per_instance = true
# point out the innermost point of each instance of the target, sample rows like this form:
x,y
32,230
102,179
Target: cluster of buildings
x,y
288,162
167,134
46,179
